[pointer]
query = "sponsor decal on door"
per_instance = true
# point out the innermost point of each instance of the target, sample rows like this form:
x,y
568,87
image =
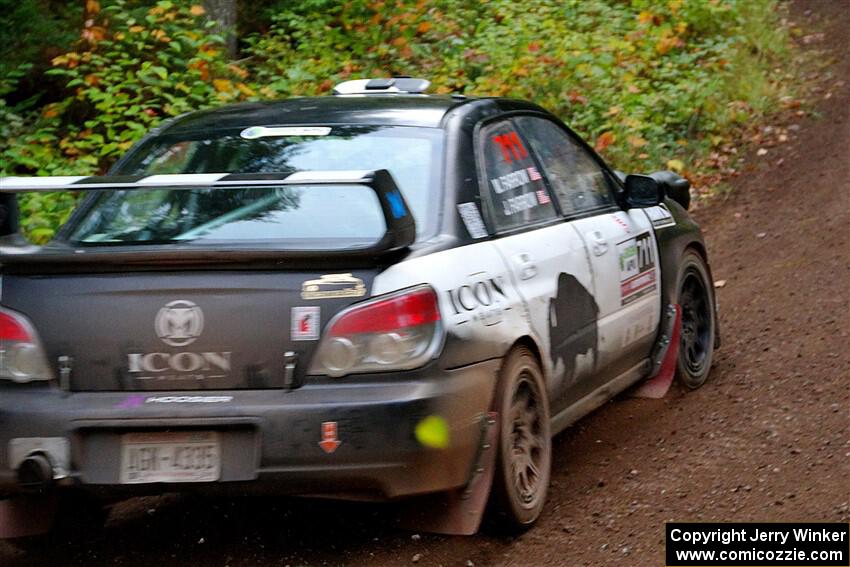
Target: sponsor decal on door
x,y
637,268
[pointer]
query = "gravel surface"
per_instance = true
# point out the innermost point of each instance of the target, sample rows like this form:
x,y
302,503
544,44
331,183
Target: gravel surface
x,y
766,439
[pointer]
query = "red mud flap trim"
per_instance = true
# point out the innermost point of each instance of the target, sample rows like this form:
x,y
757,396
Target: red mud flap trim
x,y
25,516
656,386
458,512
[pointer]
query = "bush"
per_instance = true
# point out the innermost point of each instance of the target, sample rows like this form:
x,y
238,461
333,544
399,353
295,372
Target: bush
x,y
647,82
133,68
651,84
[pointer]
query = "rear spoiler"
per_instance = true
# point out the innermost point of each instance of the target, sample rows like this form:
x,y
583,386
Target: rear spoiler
x,y
401,228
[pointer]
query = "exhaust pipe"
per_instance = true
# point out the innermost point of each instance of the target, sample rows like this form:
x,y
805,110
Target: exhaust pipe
x,y
35,473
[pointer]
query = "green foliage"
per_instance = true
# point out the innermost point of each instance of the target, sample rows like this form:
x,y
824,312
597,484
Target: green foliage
x,y
33,27
652,84
646,82
132,68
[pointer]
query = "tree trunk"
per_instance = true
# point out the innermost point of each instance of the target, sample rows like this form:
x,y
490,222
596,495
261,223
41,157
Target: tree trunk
x,y
223,13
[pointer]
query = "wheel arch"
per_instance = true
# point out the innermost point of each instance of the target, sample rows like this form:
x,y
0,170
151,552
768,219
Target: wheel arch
x,y
698,246
673,243
530,343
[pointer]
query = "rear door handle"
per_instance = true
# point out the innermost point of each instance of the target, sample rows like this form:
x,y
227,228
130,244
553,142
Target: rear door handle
x,y
527,267
598,243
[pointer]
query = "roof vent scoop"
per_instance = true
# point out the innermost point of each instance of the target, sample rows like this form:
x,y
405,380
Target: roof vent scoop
x,y
396,85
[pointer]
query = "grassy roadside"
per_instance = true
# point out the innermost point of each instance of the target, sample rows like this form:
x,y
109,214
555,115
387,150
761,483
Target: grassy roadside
x,y
679,85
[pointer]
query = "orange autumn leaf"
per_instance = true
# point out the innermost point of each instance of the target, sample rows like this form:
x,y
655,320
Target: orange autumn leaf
x,y
239,71
604,140
92,33
222,85
92,7
423,27
665,44
197,10
202,67
636,141
576,97
245,89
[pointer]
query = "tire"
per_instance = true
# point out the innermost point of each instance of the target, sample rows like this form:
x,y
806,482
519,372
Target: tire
x,y
695,296
524,458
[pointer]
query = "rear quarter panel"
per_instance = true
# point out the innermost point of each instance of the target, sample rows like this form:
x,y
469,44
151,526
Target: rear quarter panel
x,y
482,312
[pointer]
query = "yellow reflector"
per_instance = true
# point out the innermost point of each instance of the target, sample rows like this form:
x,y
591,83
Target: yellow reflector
x,y
433,432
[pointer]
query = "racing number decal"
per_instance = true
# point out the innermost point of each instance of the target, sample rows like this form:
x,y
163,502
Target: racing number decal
x,y
637,268
510,145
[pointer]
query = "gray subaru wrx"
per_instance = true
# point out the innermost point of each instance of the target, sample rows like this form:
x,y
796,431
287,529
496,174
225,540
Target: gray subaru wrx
x,y
378,294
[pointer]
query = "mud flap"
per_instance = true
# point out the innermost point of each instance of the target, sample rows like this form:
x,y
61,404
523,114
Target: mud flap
x,y
459,511
667,352
25,516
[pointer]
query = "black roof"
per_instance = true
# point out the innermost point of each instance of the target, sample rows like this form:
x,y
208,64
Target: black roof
x,y
394,109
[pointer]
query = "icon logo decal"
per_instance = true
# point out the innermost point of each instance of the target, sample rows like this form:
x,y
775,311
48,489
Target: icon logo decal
x,y
179,323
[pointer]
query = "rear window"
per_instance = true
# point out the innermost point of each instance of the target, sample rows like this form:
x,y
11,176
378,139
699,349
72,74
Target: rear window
x,y
413,156
306,217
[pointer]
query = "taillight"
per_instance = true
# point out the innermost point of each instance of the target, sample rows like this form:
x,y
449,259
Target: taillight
x,y
22,358
400,331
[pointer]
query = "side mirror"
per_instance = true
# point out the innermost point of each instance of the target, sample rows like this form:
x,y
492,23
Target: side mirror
x,y
643,191
675,186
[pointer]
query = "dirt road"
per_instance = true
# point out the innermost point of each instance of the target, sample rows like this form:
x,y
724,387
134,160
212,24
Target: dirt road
x,y
767,439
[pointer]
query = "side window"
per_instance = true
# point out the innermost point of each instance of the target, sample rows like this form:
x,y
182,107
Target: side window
x,y
515,191
579,183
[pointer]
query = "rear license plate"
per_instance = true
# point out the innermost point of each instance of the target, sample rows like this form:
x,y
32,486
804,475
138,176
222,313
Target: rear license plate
x,y
189,456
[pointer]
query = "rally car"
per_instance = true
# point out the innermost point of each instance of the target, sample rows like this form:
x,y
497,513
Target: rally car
x,y
377,294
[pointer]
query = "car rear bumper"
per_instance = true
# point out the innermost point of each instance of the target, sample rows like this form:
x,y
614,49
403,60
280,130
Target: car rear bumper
x,y
269,438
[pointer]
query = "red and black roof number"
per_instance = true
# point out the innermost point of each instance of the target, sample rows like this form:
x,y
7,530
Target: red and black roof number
x,y
511,146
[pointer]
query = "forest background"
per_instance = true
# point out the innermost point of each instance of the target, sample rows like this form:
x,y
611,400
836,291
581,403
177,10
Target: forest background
x,y
676,84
